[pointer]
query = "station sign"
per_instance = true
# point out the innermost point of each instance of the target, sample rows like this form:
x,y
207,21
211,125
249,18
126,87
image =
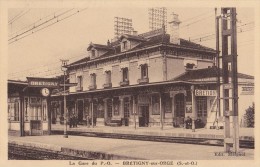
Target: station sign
x,y
43,82
199,92
227,86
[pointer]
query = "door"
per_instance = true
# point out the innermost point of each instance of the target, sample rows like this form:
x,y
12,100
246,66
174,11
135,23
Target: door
x,y
179,110
126,112
143,116
80,110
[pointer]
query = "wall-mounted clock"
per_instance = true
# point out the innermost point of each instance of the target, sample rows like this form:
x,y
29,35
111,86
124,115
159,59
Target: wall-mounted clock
x,y
45,91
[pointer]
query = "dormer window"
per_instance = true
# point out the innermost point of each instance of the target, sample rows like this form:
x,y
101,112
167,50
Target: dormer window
x,y
189,66
125,45
93,53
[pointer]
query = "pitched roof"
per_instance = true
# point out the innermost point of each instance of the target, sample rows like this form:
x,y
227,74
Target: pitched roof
x,y
99,46
134,37
83,60
147,39
205,73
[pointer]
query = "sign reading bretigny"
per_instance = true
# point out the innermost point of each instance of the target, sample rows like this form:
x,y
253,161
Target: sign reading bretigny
x,y
199,92
42,82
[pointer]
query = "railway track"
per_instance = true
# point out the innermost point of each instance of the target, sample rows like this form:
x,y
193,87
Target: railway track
x,y
198,141
25,153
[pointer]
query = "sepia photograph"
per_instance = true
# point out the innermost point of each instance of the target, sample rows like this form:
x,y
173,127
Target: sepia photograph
x,y
110,83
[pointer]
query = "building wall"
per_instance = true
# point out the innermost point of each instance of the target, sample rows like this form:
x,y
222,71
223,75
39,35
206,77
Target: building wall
x,y
100,78
116,76
134,73
72,79
155,69
204,64
86,80
175,67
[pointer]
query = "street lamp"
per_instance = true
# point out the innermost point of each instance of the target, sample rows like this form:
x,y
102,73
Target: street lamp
x,y
64,69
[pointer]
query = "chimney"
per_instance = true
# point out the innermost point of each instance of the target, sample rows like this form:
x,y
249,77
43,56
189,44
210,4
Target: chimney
x,y
174,29
134,32
108,43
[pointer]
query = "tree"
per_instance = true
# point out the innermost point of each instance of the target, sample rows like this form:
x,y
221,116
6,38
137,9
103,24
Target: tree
x,y
250,116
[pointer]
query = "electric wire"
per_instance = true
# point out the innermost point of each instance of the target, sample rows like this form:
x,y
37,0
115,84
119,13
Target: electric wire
x,y
34,27
16,18
33,24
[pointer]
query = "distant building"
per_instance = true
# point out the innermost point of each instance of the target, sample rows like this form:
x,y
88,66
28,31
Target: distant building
x,y
157,18
123,26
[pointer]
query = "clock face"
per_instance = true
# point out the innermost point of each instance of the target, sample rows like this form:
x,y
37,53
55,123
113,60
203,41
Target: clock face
x,y
45,92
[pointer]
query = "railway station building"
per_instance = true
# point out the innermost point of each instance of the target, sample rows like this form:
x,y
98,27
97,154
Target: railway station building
x,y
152,79
145,80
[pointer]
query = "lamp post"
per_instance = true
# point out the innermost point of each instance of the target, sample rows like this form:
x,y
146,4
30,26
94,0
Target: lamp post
x,y
64,69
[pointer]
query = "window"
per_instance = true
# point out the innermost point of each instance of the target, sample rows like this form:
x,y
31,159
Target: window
x,y
100,111
108,77
80,83
144,71
86,108
125,74
156,104
93,53
125,45
189,66
202,106
44,110
92,81
13,110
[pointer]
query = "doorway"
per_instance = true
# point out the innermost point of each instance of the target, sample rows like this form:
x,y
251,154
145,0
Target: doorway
x,y
179,110
80,110
143,116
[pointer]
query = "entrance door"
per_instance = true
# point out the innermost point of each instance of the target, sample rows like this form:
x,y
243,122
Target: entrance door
x,y
80,110
143,116
126,112
179,110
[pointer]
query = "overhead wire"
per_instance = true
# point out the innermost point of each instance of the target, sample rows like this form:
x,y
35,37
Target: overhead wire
x,y
202,14
27,72
34,27
18,16
28,26
212,36
58,20
187,25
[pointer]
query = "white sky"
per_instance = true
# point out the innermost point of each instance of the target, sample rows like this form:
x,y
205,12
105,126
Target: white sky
x,y
70,37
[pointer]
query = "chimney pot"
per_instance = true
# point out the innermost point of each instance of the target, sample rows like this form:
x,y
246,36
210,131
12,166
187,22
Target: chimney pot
x,y
174,29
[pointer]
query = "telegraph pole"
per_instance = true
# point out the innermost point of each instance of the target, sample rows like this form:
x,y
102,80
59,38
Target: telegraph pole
x,y
217,64
64,69
230,89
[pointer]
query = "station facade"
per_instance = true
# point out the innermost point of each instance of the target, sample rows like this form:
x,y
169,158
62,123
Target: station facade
x,y
144,80
152,79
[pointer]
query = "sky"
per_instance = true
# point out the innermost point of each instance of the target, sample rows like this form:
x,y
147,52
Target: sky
x,y
39,54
